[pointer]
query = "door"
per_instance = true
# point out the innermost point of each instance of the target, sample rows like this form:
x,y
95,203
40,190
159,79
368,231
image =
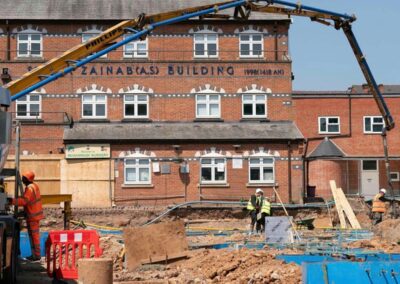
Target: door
x,y
369,178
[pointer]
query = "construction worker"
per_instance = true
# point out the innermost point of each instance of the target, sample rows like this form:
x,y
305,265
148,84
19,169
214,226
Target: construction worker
x,y
259,208
378,206
33,211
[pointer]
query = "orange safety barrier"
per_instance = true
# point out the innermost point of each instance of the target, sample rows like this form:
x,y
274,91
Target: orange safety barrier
x,y
64,248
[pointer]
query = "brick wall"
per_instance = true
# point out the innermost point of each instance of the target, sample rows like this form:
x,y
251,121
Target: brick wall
x,y
167,188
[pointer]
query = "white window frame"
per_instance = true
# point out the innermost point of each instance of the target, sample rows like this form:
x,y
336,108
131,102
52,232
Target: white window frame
x,y
261,165
27,101
214,167
328,124
205,41
136,102
397,174
91,34
135,53
137,166
251,42
29,33
93,102
208,102
254,104
372,124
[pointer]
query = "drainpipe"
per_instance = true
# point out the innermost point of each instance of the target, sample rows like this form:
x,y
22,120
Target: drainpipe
x,y
186,178
305,169
8,48
200,193
110,182
276,40
290,171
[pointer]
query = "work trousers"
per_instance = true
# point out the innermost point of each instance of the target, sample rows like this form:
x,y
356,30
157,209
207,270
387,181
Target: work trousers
x,y
34,237
376,217
260,224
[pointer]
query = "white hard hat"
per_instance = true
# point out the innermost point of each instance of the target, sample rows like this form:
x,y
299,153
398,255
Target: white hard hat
x,y
383,190
259,190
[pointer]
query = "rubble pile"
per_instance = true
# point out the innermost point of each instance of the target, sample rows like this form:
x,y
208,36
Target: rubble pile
x,y
220,266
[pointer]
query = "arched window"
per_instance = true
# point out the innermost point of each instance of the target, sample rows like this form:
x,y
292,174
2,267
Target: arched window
x,y
205,43
29,106
213,168
261,168
88,34
137,169
254,102
136,101
251,44
29,43
208,101
136,49
94,102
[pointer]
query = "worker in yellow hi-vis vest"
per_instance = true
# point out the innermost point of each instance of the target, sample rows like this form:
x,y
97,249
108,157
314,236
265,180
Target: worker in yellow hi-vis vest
x,y
259,208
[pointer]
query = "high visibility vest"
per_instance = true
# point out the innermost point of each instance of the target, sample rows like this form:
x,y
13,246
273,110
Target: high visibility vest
x,y
378,205
32,203
265,206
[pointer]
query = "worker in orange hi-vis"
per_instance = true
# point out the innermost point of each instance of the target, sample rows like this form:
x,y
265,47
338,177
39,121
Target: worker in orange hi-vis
x,y
32,204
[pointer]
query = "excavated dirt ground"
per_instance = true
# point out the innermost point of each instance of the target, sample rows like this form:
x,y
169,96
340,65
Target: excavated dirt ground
x,y
207,265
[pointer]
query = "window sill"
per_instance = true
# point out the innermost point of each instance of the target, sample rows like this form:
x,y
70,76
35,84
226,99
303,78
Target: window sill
x,y
260,119
30,120
93,120
372,133
136,120
205,58
329,133
137,186
213,185
211,119
251,185
136,59
30,59
252,58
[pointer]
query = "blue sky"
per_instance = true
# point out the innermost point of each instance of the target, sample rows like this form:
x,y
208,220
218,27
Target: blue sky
x,y
322,56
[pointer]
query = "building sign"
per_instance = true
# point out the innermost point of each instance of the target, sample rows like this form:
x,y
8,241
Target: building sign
x,y
87,151
177,70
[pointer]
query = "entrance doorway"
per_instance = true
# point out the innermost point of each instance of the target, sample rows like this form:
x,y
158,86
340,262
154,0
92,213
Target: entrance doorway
x,y
369,178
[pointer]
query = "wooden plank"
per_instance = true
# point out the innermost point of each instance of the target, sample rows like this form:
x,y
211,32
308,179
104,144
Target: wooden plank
x,y
9,243
347,209
55,198
338,204
163,258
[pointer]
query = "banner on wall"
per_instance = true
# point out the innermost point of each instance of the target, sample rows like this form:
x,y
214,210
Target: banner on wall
x,y
87,151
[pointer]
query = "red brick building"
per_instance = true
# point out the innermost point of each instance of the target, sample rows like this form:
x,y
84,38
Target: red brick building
x,y
200,110
354,124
